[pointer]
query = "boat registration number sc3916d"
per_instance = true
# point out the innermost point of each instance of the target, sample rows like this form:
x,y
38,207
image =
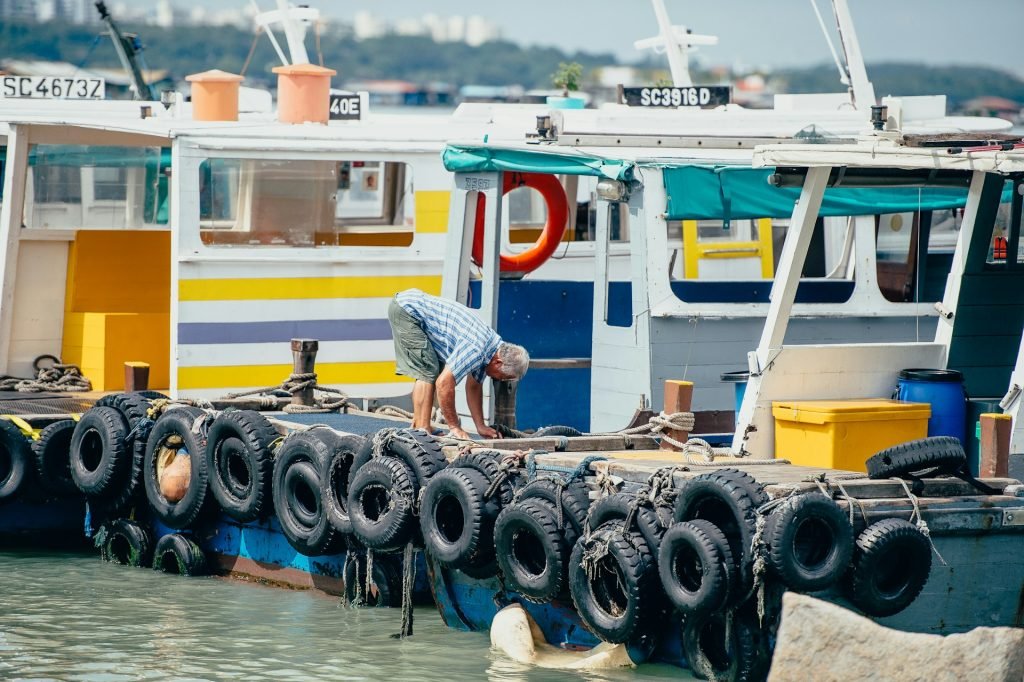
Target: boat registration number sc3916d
x,y
51,87
695,96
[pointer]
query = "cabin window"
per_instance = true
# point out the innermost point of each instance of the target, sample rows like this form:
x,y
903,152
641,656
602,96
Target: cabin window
x,y
304,203
95,187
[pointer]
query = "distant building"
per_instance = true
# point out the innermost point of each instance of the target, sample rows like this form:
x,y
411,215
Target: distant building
x,y
18,10
999,107
474,30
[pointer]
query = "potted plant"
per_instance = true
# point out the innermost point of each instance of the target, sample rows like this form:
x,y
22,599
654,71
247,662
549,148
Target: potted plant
x,y
567,77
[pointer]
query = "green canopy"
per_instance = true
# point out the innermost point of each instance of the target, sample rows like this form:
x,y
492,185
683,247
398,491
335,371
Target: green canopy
x,y
463,159
736,192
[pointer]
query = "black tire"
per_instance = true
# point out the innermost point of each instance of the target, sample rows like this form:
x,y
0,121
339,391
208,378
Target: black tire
x,y
297,499
178,554
380,504
614,596
132,405
488,463
722,498
15,460
386,591
716,652
615,508
810,542
53,458
417,448
457,522
694,566
151,395
531,550
100,454
574,499
918,459
481,569
128,543
171,434
890,567
548,431
240,459
336,477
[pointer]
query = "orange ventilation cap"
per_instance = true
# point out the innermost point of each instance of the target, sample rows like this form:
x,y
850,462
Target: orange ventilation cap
x,y
214,95
303,93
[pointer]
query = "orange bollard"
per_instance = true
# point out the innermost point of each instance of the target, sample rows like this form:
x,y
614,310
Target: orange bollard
x,y
996,430
678,398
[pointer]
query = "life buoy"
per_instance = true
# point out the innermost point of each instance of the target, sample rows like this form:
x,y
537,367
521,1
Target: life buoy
x,y
550,236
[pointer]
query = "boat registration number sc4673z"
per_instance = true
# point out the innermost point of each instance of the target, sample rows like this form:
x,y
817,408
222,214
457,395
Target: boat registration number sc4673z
x,y
51,87
695,96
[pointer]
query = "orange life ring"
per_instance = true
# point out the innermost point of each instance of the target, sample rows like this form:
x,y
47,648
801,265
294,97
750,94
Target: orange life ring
x,y
550,237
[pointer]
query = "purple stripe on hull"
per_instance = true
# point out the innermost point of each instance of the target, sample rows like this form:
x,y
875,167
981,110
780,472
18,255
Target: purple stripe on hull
x,y
283,331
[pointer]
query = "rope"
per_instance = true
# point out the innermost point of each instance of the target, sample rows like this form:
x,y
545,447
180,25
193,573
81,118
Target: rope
x,y
301,381
252,50
659,424
370,584
395,411
921,524
408,575
59,377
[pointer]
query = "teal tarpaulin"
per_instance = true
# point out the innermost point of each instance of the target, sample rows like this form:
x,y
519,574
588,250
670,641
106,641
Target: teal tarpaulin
x,y
734,192
459,159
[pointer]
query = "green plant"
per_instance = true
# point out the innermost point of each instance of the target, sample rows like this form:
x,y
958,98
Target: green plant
x,y
567,77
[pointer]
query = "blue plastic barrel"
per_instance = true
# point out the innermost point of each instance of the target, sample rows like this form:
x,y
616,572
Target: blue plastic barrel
x,y
740,380
943,389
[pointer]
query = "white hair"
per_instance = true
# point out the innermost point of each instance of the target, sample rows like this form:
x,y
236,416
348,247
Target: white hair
x,y
514,360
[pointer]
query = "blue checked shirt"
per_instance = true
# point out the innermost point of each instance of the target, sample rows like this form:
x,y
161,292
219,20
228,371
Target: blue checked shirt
x,y
463,342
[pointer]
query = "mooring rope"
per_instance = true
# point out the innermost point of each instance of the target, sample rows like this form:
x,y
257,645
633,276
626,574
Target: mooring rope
x,y
301,381
408,578
59,377
921,524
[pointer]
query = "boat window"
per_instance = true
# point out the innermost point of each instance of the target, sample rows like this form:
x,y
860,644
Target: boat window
x,y
999,245
718,261
97,187
304,203
906,273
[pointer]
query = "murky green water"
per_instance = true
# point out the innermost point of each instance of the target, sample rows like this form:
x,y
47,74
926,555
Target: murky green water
x,y
73,617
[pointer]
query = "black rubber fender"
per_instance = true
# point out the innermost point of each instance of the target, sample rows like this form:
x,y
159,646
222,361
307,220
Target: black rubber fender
x,y
132,405
386,589
722,498
716,651
178,554
891,565
128,543
810,542
615,508
52,451
456,521
417,448
921,458
100,454
172,433
488,463
240,459
574,499
337,475
615,595
694,565
297,499
380,504
532,552
15,460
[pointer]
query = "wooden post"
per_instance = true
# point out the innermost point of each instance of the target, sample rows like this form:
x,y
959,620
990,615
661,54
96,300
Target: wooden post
x,y
136,376
678,398
303,362
996,430
505,402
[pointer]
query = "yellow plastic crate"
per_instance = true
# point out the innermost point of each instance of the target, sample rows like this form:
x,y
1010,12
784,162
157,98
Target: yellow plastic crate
x,y
843,434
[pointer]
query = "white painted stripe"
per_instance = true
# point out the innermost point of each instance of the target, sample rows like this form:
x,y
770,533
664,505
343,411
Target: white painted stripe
x,y
282,310
354,390
413,263
219,355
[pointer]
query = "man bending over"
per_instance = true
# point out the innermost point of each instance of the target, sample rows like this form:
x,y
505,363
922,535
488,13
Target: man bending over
x,y
439,343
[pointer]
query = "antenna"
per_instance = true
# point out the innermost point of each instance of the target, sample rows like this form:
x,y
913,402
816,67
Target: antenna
x,y
126,47
676,42
294,21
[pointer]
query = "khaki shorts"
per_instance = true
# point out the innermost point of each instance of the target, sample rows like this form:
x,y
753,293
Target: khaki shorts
x,y
414,356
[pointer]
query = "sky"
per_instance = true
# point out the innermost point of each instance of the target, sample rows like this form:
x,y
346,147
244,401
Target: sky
x,y
775,33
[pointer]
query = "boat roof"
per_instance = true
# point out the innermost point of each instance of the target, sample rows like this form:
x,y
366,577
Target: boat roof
x,y
885,152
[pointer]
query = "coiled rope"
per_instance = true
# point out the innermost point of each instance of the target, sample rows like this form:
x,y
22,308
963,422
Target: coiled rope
x,y
59,377
297,382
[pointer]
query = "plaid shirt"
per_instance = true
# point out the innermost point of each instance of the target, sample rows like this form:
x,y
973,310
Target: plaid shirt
x,y
463,342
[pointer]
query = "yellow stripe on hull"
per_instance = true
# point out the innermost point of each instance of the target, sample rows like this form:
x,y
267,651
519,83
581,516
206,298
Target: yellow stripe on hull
x,y
245,376
256,289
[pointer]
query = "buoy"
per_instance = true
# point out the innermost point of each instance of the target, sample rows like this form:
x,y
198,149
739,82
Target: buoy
x,y
175,477
518,636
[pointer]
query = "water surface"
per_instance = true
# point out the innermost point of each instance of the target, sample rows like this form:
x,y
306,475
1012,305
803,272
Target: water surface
x,y
73,617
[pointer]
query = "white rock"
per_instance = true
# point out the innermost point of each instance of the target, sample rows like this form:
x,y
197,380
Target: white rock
x,y
823,642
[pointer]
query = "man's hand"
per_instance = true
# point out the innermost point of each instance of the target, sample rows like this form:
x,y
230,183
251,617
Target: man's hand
x,y
457,432
487,432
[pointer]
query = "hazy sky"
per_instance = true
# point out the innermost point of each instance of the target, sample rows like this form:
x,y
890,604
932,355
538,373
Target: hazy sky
x,y
769,32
